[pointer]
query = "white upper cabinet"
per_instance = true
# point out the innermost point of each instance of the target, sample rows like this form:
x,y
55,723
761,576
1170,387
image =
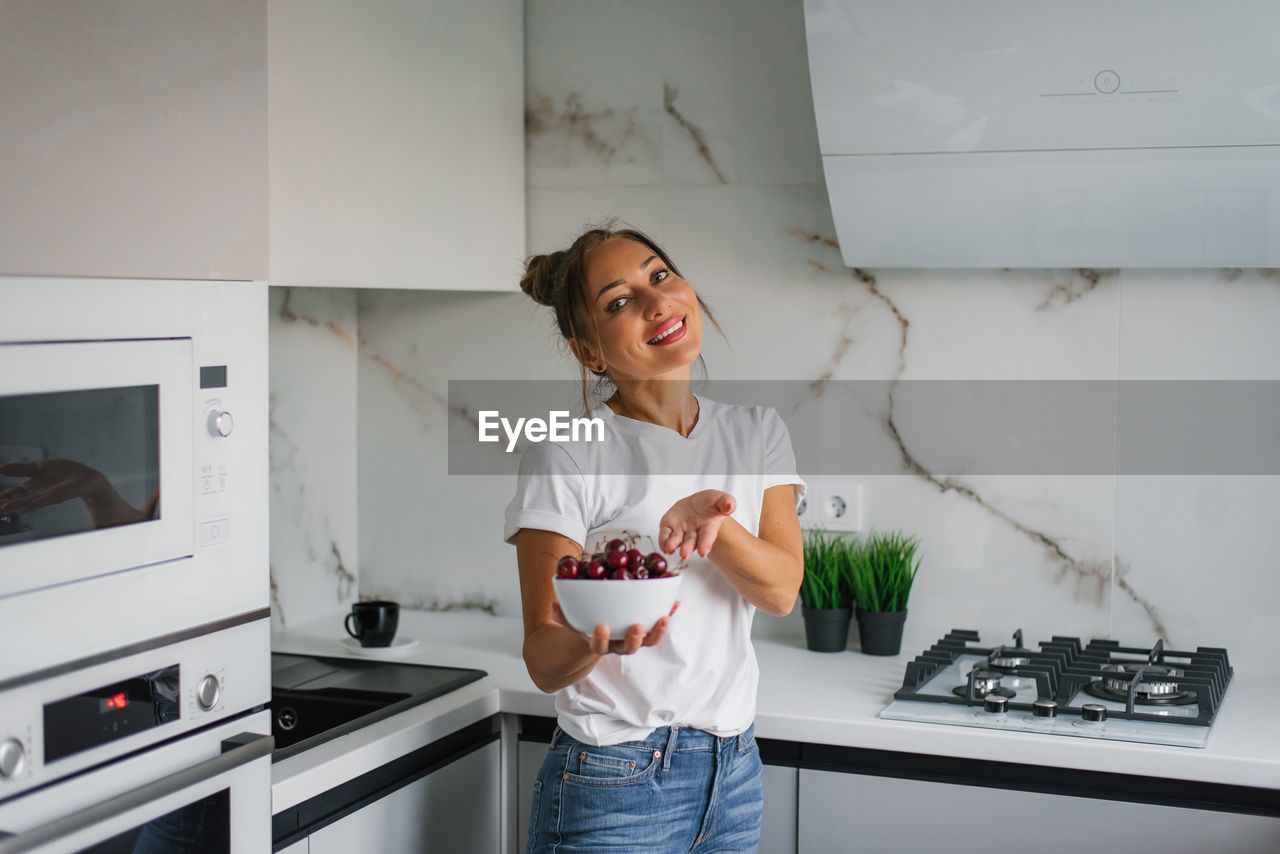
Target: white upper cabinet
x,y
396,143
133,139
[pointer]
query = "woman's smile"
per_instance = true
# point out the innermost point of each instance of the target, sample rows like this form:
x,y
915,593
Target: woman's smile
x,y
670,332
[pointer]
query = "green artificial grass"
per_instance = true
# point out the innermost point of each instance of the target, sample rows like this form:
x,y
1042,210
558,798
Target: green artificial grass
x,y
826,576
882,569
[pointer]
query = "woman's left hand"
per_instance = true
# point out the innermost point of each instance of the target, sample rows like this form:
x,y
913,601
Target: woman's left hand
x,y
692,523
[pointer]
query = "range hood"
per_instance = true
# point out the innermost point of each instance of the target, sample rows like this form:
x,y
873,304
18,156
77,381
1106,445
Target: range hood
x,y
1028,133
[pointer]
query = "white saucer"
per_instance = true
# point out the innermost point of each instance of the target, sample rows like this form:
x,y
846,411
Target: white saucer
x,y
398,646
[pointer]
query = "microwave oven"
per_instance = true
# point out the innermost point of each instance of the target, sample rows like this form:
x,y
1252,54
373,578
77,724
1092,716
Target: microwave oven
x,y
133,466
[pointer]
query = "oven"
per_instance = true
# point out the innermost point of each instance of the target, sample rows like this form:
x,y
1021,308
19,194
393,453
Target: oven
x,y
134,576
166,749
213,804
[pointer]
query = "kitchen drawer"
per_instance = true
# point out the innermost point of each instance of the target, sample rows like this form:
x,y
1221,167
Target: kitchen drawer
x,y
455,808
409,804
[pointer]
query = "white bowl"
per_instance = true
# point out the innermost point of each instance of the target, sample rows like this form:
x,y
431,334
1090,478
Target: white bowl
x,y
616,603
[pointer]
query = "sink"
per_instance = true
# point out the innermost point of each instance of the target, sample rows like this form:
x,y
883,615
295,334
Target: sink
x,y
315,699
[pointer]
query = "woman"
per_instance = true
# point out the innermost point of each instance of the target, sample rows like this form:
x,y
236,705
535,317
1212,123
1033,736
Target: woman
x,y
654,751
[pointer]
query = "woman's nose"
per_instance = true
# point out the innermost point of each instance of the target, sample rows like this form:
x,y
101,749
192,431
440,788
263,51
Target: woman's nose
x,y
655,303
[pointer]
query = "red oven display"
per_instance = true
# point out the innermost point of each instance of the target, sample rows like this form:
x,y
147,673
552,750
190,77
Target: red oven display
x,y
113,711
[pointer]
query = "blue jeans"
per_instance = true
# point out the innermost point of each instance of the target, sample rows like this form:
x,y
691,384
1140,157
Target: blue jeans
x,y
677,791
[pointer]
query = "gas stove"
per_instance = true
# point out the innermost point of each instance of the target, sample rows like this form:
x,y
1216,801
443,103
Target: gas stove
x,y
1063,687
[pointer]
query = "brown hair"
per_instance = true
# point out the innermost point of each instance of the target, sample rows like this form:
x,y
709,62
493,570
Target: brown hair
x,y
558,280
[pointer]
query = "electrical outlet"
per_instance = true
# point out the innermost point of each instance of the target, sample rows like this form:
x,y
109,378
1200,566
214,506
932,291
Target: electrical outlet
x,y
833,506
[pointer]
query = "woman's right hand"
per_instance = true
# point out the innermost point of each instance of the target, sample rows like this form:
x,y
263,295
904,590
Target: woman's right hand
x,y
635,638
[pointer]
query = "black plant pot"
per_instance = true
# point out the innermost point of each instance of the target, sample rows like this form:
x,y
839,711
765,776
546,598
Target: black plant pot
x,y
826,629
881,631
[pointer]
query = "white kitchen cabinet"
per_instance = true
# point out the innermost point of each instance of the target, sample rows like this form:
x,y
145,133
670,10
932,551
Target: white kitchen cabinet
x,y
134,139
778,824
299,847
455,808
397,143
857,812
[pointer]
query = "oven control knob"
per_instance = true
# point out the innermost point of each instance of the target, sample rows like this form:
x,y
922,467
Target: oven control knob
x,y
221,423
208,691
995,703
1093,712
11,758
1045,708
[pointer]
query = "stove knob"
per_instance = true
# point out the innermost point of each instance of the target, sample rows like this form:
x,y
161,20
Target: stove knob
x,y
1093,712
995,703
11,758
1045,708
208,691
287,719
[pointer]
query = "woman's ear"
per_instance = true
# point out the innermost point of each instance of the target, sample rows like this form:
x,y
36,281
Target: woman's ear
x,y
584,353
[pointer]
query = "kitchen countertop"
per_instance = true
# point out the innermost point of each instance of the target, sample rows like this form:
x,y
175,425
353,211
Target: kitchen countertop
x,y
824,698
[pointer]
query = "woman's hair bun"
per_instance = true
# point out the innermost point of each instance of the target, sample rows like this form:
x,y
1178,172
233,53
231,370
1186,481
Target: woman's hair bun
x,y
539,278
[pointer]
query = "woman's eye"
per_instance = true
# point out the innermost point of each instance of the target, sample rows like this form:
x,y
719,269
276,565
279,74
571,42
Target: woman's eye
x,y
659,275
616,305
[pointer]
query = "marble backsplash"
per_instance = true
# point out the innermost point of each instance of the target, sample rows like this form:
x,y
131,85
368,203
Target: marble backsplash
x,y
692,121
314,555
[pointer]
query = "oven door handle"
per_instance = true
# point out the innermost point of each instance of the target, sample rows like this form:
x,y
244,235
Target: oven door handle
x,y
236,752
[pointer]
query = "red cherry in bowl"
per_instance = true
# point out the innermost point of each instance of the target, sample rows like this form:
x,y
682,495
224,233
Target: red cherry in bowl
x,y
568,567
656,564
596,569
617,559
615,546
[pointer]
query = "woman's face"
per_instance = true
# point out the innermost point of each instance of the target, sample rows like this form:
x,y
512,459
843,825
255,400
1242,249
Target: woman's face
x,y
648,318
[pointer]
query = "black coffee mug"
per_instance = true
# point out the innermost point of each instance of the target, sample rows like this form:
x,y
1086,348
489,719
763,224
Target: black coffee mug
x,y
375,622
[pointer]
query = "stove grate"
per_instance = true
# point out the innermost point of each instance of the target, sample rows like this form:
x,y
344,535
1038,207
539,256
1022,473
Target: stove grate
x,y
1068,672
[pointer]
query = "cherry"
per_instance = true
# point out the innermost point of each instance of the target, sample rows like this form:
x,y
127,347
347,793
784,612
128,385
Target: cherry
x,y
567,567
616,563
656,564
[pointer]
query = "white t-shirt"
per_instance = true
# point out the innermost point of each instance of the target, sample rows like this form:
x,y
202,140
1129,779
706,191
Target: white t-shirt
x,y
703,673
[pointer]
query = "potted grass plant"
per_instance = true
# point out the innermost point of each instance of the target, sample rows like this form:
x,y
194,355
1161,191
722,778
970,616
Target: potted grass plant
x,y
881,571
826,599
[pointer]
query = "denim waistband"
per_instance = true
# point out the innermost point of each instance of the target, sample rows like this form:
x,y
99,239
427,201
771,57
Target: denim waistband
x,y
671,738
